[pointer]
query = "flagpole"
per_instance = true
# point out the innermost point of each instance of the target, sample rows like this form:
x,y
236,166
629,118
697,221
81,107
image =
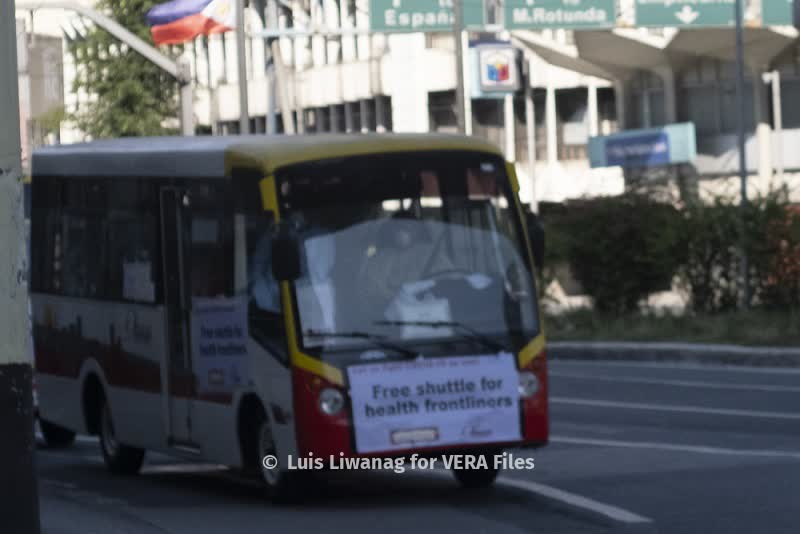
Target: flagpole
x,y
241,55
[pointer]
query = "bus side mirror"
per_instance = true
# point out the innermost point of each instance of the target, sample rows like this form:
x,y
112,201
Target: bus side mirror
x,y
285,256
536,235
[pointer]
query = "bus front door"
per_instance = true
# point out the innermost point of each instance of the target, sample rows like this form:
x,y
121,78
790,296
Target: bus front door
x,y
178,388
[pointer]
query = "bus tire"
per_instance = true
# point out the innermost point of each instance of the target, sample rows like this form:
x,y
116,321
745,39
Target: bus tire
x,y
56,437
119,459
282,487
472,478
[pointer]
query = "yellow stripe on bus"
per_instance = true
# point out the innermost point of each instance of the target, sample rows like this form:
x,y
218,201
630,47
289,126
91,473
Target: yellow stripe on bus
x,y
511,171
297,357
269,196
531,351
281,153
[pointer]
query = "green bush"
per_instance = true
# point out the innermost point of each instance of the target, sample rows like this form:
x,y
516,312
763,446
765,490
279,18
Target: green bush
x,y
769,231
622,249
712,266
773,244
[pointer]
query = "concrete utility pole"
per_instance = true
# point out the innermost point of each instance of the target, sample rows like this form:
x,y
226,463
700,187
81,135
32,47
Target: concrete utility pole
x,y
19,502
458,29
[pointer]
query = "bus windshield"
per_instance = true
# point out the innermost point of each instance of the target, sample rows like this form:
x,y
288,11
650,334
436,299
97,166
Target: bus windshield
x,y
404,250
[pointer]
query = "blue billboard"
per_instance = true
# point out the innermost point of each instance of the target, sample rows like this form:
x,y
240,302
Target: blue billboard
x,y
652,147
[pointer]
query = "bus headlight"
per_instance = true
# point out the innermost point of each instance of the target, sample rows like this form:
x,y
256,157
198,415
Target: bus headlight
x,y
528,384
331,401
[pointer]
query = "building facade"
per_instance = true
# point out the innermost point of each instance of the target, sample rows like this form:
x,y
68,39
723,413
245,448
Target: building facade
x,y
340,77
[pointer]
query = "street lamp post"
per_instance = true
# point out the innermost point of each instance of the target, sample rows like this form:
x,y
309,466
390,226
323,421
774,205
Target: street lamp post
x,y
241,55
458,29
19,503
745,279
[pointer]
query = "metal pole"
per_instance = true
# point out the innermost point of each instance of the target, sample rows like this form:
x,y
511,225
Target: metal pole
x,y
467,87
241,57
458,29
212,114
777,119
282,84
530,130
186,97
745,279
19,501
272,78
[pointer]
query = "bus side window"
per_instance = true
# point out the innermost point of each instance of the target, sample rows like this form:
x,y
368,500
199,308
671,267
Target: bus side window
x,y
46,260
82,240
134,264
265,316
211,248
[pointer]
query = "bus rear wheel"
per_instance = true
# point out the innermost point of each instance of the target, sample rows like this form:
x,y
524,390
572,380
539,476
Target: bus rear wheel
x,y
56,437
478,478
119,459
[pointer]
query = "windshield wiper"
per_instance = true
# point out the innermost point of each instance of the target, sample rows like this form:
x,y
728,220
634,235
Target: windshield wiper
x,y
470,333
376,340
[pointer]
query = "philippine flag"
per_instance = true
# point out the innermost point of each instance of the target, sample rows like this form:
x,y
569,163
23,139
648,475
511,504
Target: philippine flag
x,y
182,20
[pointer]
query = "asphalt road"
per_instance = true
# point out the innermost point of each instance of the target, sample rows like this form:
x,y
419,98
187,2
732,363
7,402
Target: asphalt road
x,y
635,448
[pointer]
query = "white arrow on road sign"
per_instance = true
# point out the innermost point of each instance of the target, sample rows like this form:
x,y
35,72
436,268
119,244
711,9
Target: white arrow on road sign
x,y
687,15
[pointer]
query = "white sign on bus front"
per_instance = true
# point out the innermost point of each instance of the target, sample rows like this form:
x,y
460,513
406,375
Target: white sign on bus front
x,y
435,402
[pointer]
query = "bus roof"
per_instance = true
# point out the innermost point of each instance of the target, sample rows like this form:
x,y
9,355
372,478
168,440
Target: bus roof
x,y
215,156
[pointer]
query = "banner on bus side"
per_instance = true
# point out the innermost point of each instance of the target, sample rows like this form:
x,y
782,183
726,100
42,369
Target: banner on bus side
x,y
435,402
219,343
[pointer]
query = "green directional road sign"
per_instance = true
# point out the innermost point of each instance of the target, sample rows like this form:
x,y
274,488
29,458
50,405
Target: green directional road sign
x,y
776,12
540,14
691,13
422,15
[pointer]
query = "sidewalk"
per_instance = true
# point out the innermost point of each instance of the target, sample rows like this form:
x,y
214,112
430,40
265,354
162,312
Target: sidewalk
x,y
675,352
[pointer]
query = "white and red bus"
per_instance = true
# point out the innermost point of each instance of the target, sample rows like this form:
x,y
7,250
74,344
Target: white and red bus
x,y
229,299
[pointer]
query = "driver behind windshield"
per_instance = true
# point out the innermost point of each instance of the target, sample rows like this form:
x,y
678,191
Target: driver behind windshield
x,y
401,255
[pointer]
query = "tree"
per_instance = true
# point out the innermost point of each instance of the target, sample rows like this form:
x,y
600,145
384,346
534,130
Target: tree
x,y
130,96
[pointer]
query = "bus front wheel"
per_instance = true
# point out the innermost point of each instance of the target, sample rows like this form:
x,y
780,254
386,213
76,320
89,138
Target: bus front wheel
x,y
281,486
56,437
119,459
474,477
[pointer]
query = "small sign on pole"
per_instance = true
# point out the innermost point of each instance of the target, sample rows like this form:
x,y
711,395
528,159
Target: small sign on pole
x,y
652,147
497,68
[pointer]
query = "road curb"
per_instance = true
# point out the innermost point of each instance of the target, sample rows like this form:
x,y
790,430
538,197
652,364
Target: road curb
x,y
674,352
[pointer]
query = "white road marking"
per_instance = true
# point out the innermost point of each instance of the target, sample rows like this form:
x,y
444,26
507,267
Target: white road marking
x,y
674,408
703,449
691,366
574,500
571,499
183,468
682,383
